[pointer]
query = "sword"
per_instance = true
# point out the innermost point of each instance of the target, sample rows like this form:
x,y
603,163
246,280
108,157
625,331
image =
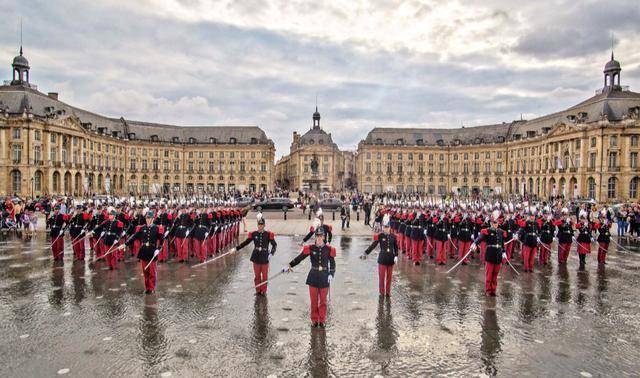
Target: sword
x,y
461,260
155,254
213,259
619,246
580,245
108,252
514,269
454,246
269,279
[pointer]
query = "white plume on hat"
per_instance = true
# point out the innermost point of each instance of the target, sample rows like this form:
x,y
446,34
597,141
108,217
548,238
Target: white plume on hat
x,y
319,212
565,210
495,215
316,223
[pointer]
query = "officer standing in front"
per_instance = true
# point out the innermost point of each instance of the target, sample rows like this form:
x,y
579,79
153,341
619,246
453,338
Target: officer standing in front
x,y
261,255
323,269
387,258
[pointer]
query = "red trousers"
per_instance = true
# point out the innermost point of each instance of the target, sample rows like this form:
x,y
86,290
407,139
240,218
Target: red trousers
x,y
92,243
528,257
430,246
545,253
491,277
120,253
509,250
563,252
211,245
384,278
602,252
441,251
57,248
483,248
463,248
99,248
111,257
584,248
150,274
318,304
407,245
136,247
181,248
453,245
164,251
400,241
260,274
78,249
200,249
417,247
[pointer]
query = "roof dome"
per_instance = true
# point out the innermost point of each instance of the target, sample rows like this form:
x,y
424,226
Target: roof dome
x,y
612,65
20,60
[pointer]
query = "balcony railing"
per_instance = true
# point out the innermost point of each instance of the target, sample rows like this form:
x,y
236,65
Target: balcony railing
x,y
614,169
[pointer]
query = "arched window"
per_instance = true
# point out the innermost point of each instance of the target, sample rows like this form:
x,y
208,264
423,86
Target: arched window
x,y
633,187
16,181
591,187
611,188
37,181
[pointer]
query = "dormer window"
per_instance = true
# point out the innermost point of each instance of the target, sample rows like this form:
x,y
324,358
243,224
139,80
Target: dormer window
x,y
400,142
154,138
456,142
212,140
232,141
517,136
192,140
132,136
379,141
531,134
440,142
254,141
500,139
175,139
321,141
545,130
583,115
420,142
478,141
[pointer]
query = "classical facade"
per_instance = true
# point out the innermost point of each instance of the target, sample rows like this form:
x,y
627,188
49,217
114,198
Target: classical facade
x,y
589,150
315,163
49,147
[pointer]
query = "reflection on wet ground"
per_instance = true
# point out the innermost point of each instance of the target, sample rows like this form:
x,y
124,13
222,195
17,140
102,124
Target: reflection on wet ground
x,y
82,320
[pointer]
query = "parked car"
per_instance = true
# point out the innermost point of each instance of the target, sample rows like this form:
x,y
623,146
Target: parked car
x,y
244,201
274,204
330,204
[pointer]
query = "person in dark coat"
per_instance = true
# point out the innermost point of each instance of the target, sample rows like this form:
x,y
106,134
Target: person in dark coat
x,y
387,258
151,237
261,255
494,255
323,269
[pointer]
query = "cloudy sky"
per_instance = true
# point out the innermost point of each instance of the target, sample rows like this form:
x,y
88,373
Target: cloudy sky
x,y
371,63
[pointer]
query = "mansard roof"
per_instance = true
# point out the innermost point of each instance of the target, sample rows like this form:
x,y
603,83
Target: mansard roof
x,y
16,98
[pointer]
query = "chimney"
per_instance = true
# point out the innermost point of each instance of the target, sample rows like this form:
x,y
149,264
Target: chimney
x,y
53,95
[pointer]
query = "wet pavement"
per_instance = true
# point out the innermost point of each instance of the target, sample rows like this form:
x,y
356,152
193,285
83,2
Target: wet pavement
x,y
82,320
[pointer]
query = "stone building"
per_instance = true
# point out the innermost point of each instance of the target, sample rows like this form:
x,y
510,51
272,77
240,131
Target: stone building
x,y
314,162
50,147
589,150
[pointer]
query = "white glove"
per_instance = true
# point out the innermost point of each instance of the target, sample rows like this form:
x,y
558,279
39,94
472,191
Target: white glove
x,y
395,260
504,256
538,240
329,279
269,257
473,247
89,234
121,246
156,252
449,236
515,236
61,232
287,269
233,250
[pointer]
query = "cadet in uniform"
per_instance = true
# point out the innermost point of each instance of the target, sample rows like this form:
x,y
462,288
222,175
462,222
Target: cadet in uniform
x,y
151,237
77,228
260,256
57,225
604,238
494,254
323,268
387,258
